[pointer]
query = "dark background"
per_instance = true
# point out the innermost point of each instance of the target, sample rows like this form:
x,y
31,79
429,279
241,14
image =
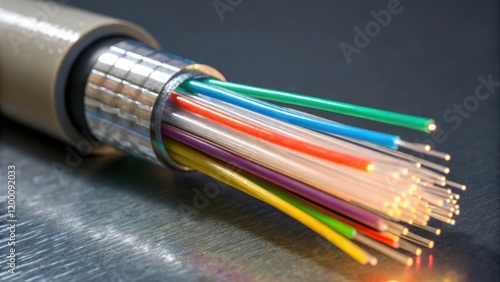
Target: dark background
x,y
119,218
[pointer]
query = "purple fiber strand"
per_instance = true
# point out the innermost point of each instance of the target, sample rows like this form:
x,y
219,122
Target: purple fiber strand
x,y
279,179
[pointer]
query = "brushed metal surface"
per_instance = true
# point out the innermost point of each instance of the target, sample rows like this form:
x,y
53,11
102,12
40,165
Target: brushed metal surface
x,y
121,219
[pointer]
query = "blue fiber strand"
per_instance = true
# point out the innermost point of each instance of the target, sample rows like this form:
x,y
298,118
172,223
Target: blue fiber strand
x,y
291,116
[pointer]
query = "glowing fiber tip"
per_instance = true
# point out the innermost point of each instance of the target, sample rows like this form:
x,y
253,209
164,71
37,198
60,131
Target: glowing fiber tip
x,y
370,167
431,126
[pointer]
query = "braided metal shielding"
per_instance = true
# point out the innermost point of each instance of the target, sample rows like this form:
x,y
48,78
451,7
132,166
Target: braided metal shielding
x,y
126,92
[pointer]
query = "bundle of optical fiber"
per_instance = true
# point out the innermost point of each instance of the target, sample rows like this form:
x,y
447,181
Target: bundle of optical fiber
x,y
355,187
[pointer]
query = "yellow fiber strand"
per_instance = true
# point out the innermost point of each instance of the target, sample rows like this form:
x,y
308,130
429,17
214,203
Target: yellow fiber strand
x,y
216,170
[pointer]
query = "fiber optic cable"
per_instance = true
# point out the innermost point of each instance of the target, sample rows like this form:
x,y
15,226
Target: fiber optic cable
x,y
110,82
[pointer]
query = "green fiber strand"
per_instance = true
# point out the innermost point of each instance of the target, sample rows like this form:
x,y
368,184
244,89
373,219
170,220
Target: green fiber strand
x,y
343,229
413,122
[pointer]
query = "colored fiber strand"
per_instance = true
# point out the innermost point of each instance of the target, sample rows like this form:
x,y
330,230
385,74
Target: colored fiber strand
x,y
343,229
403,120
290,116
384,238
204,164
270,136
291,184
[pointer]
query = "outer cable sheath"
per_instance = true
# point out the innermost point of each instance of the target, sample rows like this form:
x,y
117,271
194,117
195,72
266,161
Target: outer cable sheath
x,y
290,116
403,120
340,206
267,135
212,168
